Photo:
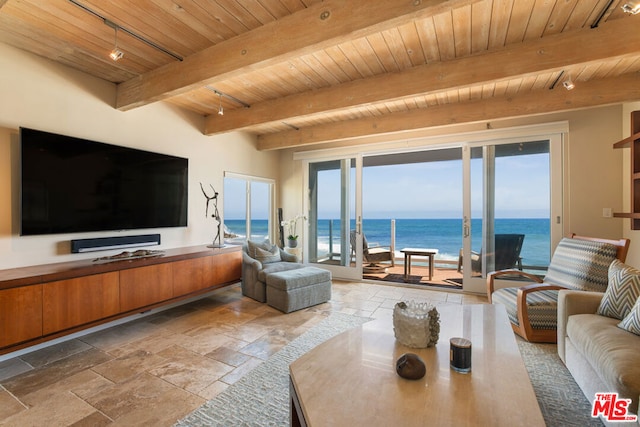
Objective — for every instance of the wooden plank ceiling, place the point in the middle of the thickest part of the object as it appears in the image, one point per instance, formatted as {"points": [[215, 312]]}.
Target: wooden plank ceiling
{"points": [[305, 72]]}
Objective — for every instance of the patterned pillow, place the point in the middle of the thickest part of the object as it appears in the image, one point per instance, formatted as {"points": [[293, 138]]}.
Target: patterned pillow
{"points": [[631, 323], [266, 257], [622, 292]]}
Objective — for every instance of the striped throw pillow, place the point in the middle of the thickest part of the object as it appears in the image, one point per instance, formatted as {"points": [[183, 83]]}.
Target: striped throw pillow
{"points": [[631, 322], [622, 292]]}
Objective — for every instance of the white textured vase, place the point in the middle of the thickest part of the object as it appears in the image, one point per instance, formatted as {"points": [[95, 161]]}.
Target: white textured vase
{"points": [[416, 325]]}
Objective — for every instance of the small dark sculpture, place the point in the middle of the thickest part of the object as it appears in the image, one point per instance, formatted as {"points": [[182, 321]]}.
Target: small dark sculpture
{"points": [[411, 366], [215, 215]]}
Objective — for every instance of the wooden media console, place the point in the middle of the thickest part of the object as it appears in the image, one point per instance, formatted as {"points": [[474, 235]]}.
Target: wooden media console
{"points": [[43, 302]]}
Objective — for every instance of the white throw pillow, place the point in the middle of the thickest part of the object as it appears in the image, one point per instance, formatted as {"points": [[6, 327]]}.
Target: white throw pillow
{"points": [[252, 246], [267, 257]]}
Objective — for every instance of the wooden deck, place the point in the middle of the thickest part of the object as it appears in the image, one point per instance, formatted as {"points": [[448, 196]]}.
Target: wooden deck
{"points": [[442, 276], [445, 273]]}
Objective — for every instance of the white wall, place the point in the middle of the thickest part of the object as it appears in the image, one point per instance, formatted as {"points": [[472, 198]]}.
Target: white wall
{"points": [[40, 94]]}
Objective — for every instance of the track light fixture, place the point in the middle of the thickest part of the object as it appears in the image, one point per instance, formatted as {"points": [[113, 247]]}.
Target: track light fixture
{"points": [[116, 53], [565, 78], [220, 109], [632, 8], [225, 95], [568, 83]]}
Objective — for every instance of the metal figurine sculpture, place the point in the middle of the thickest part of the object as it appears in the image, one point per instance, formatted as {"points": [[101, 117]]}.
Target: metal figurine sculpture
{"points": [[215, 215]]}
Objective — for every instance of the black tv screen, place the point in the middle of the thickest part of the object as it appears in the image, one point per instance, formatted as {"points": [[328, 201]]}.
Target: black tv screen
{"points": [[72, 185]]}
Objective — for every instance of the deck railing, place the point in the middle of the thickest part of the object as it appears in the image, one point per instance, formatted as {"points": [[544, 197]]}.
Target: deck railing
{"points": [[398, 257]]}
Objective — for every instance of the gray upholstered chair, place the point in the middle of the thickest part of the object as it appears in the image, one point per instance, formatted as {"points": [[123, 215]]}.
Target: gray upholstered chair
{"points": [[260, 259], [578, 263]]}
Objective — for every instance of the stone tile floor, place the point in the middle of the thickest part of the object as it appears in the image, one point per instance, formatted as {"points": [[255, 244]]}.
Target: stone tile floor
{"points": [[155, 370]]}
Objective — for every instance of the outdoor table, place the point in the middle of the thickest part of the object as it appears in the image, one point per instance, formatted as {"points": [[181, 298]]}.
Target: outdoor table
{"points": [[408, 252]]}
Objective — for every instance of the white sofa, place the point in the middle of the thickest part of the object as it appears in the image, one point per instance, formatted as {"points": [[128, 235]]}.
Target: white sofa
{"points": [[600, 356]]}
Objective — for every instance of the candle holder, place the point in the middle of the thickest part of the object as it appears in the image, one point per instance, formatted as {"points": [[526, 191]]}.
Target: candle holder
{"points": [[460, 355], [416, 325]]}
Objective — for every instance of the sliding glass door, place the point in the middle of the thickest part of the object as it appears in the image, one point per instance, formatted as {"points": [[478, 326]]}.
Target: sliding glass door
{"points": [[511, 220], [334, 216], [480, 205]]}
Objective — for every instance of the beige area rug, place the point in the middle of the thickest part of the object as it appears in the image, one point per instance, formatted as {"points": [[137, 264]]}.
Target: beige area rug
{"points": [[561, 401], [261, 398]]}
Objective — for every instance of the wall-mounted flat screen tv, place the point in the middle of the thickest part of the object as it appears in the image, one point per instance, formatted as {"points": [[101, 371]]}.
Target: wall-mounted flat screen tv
{"points": [[71, 185]]}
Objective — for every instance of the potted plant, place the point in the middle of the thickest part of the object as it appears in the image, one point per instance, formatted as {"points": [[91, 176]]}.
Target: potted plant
{"points": [[291, 228]]}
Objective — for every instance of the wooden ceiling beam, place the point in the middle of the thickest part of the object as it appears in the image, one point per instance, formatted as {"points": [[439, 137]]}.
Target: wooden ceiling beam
{"points": [[517, 60], [625, 88], [319, 26]]}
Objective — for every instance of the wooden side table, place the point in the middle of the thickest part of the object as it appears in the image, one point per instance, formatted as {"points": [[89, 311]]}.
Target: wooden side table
{"points": [[408, 252]]}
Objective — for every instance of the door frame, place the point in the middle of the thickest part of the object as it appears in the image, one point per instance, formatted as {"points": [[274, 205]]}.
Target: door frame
{"points": [[346, 272], [556, 132], [556, 183]]}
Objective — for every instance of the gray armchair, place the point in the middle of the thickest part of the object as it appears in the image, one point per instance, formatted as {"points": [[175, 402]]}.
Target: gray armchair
{"points": [[260, 259]]}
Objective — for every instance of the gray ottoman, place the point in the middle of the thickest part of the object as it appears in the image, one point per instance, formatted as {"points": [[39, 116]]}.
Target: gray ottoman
{"points": [[293, 290]]}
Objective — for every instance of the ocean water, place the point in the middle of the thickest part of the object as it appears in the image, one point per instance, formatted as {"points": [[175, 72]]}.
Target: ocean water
{"points": [[442, 234]]}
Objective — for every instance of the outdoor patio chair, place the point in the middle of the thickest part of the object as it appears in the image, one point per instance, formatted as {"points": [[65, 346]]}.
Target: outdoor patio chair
{"points": [[578, 263], [507, 254], [372, 255]]}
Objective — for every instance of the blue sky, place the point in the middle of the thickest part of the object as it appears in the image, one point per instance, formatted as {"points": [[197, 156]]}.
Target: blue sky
{"points": [[235, 200], [434, 190]]}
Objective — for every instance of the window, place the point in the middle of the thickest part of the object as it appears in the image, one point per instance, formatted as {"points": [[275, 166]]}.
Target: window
{"points": [[248, 207]]}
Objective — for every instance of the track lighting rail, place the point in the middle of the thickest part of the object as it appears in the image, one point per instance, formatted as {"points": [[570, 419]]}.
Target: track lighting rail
{"points": [[226, 95], [117, 27]]}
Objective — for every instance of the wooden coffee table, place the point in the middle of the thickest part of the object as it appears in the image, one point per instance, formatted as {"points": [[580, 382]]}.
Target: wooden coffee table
{"points": [[350, 380]]}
